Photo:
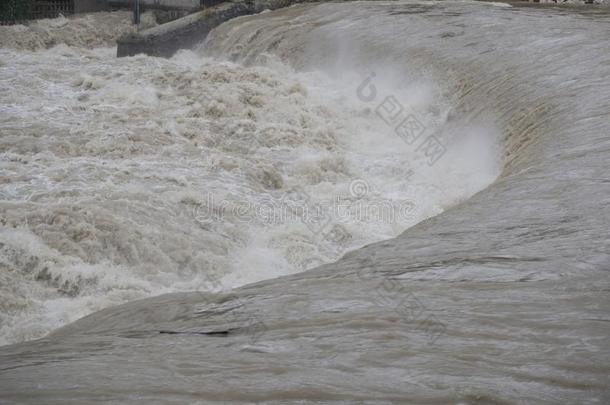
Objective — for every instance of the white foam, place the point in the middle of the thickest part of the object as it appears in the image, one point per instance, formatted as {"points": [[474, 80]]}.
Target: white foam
{"points": [[138, 176]]}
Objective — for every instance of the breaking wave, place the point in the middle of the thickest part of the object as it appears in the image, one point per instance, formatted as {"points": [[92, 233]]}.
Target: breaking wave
{"points": [[127, 178]]}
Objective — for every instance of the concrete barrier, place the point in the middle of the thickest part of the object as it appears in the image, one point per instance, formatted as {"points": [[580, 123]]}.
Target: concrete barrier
{"points": [[184, 33]]}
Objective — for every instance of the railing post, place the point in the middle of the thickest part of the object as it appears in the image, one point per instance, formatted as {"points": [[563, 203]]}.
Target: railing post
{"points": [[136, 12]]}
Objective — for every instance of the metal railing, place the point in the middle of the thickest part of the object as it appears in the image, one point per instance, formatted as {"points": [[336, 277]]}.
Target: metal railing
{"points": [[19, 11]]}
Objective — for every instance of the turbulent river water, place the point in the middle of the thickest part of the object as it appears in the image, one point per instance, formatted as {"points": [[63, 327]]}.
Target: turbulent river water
{"points": [[285, 141], [127, 178]]}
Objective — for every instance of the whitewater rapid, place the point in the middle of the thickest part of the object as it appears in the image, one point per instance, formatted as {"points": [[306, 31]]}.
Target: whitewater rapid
{"points": [[500, 296], [128, 178]]}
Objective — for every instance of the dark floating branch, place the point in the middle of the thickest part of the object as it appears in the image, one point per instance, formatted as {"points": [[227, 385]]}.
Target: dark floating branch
{"points": [[211, 333]]}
